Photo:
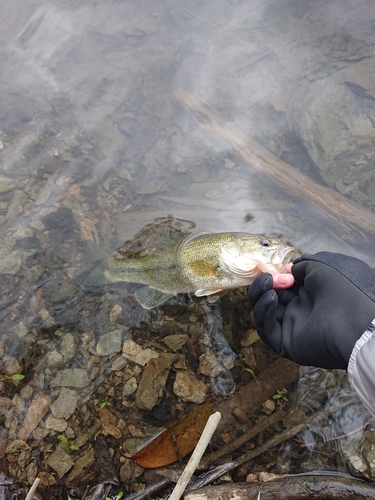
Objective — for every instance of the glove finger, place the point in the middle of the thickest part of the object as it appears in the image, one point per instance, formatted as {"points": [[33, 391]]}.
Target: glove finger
{"points": [[261, 284], [268, 327], [285, 296], [301, 268]]}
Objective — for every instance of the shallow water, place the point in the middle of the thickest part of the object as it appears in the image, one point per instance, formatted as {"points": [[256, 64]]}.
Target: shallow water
{"points": [[94, 145]]}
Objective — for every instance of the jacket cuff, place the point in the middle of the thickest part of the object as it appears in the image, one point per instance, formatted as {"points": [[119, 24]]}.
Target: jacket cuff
{"points": [[361, 367]]}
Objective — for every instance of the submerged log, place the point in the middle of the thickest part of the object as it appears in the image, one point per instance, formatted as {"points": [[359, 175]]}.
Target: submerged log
{"points": [[302, 487], [251, 396], [349, 219]]}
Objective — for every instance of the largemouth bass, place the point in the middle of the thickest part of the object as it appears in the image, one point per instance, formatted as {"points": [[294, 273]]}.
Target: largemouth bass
{"points": [[204, 265]]}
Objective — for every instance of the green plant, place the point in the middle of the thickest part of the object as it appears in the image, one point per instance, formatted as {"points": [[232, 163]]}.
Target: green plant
{"points": [[252, 373], [70, 444], [16, 376], [117, 497], [102, 405], [280, 395]]}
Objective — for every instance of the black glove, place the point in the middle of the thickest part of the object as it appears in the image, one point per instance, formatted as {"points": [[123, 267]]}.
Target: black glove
{"points": [[320, 318]]}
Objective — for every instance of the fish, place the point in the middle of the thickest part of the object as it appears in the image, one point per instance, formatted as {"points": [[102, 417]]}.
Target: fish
{"points": [[204, 265]]}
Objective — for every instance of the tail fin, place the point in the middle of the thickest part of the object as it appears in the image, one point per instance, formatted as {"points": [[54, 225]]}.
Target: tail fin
{"points": [[92, 275]]}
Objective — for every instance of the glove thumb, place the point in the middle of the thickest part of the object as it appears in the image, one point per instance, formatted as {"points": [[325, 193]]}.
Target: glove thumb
{"points": [[268, 327]]}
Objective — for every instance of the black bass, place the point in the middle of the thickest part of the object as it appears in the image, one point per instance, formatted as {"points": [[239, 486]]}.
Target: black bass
{"points": [[204, 265]]}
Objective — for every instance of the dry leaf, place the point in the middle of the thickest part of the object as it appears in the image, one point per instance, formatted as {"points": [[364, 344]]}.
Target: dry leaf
{"points": [[176, 441]]}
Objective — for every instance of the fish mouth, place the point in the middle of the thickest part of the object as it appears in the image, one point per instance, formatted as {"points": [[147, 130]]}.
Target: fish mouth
{"points": [[287, 255]]}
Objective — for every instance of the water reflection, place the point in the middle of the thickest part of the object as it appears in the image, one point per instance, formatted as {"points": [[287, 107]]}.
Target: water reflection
{"points": [[95, 146]]}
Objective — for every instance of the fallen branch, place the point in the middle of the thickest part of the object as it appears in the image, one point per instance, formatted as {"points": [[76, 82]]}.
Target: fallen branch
{"points": [[348, 217], [301, 487], [250, 397], [261, 426]]}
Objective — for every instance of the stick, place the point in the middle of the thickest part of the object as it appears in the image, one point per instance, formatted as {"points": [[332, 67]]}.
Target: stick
{"points": [[300, 487], [236, 443], [34, 486], [193, 463]]}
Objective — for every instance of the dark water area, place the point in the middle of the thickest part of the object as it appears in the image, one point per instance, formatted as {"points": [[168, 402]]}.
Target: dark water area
{"points": [[95, 143]]}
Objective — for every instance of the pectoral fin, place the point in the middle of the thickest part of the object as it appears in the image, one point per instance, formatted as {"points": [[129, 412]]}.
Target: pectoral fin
{"points": [[150, 297], [203, 269]]}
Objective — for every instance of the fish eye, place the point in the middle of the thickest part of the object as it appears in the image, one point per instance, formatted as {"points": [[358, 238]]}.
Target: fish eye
{"points": [[265, 243]]}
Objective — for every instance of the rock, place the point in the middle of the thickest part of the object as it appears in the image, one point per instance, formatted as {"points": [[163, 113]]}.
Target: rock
{"points": [[189, 388], [153, 382], [249, 338], [109, 422], [56, 424], [84, 462], [127, 471], [360, 455], [60, 461], [4, 404], [31, 472], [6, 184], [68, 348], [134, 352], [115, 314], [65, 404], [109, 343], [209, 365], [11, 365], [11, 263], [269, 406], [129, 387], [37, 409], [175, 342], [54, 358], [17, 446], [74, 377]]}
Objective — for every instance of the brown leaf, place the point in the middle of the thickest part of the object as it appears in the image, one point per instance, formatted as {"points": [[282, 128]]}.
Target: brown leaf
{"points": [[176, 441]]}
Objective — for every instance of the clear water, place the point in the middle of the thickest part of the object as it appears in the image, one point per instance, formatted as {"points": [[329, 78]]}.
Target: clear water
{"points": [[94, 146]]}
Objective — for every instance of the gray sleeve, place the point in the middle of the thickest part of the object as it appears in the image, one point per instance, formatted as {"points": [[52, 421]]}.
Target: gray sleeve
{"points": [[361, 367]]}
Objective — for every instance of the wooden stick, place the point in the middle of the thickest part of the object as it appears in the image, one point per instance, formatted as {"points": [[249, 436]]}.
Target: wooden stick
{"points": [[195, 458], [355, 222], [261, 426], [33, 488]]}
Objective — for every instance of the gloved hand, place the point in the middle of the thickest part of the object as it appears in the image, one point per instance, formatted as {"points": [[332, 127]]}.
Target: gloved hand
{"points": [[320, 318]]}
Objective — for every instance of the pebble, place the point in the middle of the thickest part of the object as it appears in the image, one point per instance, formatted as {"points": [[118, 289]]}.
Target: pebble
{"points": [[134, 352], [17, 446], [115, 314], [68, 348], [209, 365], [129, 387], [189, 388], [249, 337], [152, 383], [109, 343], [84, 462], [60, 461], [11, 263], [65, 404], [54, 358], [56, 424], [269, 406], [175, 342], [37, 409], [75, 377], [11, 365]]}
